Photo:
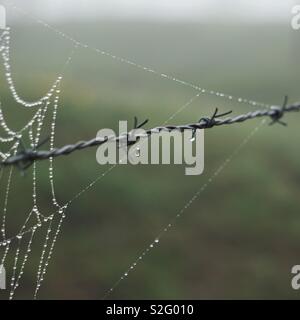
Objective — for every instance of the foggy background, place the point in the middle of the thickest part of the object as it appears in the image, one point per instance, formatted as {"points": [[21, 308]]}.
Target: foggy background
{"points": [[216, 11]]}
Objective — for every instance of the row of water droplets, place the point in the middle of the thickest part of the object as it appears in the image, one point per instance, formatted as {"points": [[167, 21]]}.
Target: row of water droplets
{"points": [[41, 219], [33, 128], [181, 212], [38, 117], [5, 50], [137, 65]]}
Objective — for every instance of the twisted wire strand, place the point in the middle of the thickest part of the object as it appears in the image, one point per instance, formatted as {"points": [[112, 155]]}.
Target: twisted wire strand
{"points": [[30, 155]]}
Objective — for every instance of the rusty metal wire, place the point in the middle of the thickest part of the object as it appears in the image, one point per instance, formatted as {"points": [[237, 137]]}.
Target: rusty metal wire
{"points": [[25, 158]]}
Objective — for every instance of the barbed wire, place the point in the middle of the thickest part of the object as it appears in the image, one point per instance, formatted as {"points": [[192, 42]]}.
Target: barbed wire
{"points": [[24, 158]]}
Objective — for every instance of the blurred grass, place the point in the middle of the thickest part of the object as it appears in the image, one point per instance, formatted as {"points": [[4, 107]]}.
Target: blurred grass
{"points": [[240, 238]]}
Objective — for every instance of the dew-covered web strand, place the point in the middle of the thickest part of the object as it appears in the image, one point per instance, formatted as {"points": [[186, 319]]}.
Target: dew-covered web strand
{"points": [[4, 214], [50, 243], [62, 215], [34, 139], [15, 279], [102, 175], [204, 91], [9, 77], [5, 50], [181, 212], [12, 135], [20, 259]]}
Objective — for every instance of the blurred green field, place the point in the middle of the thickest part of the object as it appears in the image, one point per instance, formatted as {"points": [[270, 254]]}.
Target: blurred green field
{"points": [[240, 238]]}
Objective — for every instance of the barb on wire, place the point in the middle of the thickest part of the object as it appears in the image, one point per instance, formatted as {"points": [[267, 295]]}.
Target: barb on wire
{"points": [[279, 113], [138, 126], [210, 122], [27, 156], [131, 139], [275, 113]]}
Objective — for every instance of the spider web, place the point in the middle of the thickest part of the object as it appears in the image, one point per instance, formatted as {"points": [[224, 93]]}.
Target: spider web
{"points": [[47, 105], [48, 226]]}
